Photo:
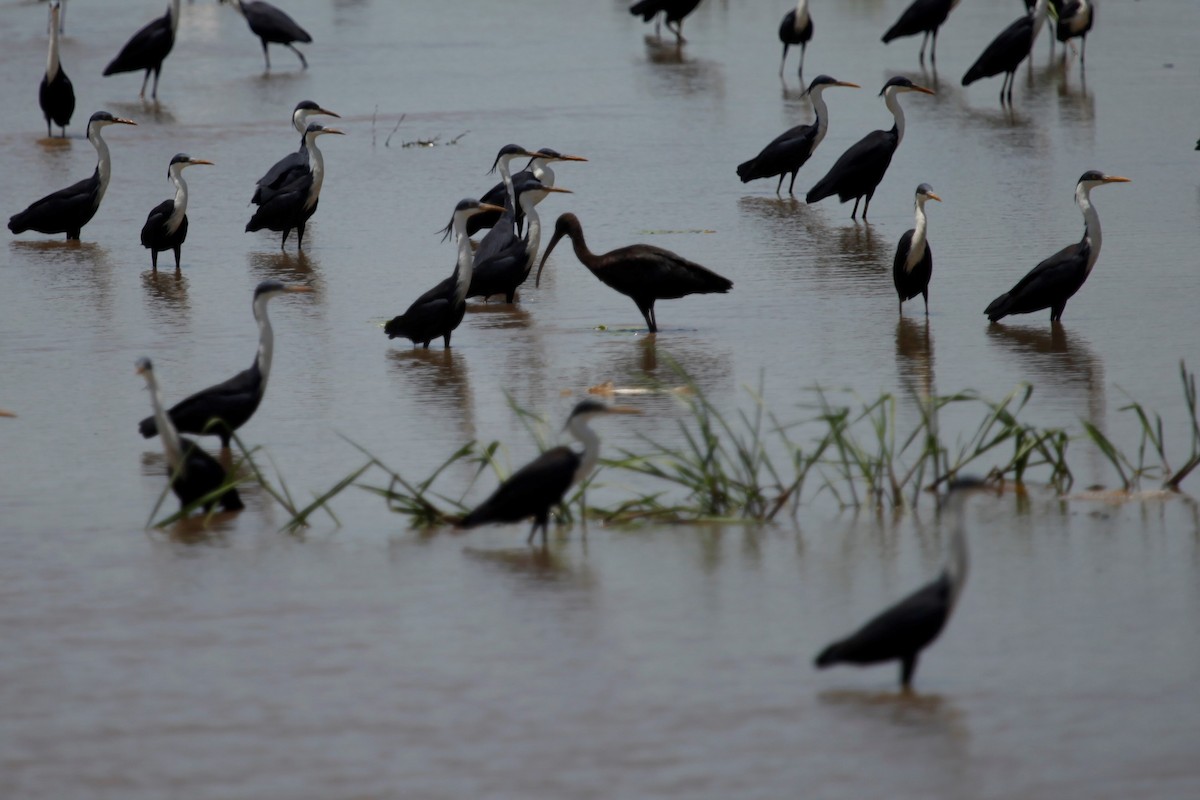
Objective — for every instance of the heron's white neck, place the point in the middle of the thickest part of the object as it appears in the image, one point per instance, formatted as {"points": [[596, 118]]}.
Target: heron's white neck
{"points": [[822, 112], [957, 563], [181, 197], [506, 176], [300, 119], [1091, 223], [173, 14], [103, 160], [801, 15], [52, 64], [541, 171], [591, 446], [534, 229], [317, 163], [916, 249], [893, 104], [266, 339], [172, 446], [466, 259], [1039, 19]]}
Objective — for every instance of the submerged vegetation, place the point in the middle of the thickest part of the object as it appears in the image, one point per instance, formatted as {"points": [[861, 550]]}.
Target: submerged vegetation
{"points": [[754, 467]]}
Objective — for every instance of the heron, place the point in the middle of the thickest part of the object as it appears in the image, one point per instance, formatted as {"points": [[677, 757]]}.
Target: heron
{"points": [[193, 473], [1075, 20], [901, 632], [673, 10], [61, 22], [913, 265], [272, 26], [56, 95], [860, 169], [542, 484], [503, 271], [147, 49], [292, 205], [642, 272], [1054, 281], [167, 225], [538, 166], [221, 409], [924, 17], [440, 310], [796, 28], [790, 150], [296, 164], [68, 210], [1008, 50]]}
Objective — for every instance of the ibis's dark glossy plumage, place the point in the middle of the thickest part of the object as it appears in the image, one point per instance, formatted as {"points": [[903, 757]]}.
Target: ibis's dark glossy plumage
{"points": [[292, 205], [860, 169], [542, 484], [901, 632], [167, 226], [294, 165], [673, 10], [796, 29], [440, 310], [642, 272], [193, 473], [790, 150], [1008, 50], [147, 49], [1053, 282], [503, 271], [272, 26], [222, 409], [913, 266], [68, 210], [56, 95], [924, 17]]}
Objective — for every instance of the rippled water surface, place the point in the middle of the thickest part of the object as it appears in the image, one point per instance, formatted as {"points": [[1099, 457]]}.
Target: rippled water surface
{"points": [[372, 661]]}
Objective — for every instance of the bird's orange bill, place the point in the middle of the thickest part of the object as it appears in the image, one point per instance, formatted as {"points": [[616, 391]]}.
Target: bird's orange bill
{"points": [[1116, 179], [922, 89], [124, 121], [557, 189], [568, 158], [297, 288], [847, 84], [343, 133], [623, 410], [933, 196], [491, 207], [201, 161], [327, 113], [4, 413]]}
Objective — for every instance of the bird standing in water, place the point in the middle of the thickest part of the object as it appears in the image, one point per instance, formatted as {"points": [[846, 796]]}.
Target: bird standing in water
{"points": [[272, 26], [1054, 281], [56, 95], [167, 226], [796, 28], [193, 473], [913, 265], [901, 632], [1008, 50], [540, 485], [642, 272], [292, 205], [673, 10], [148, 48], [294, 165], [925, 17], [68, 210]]}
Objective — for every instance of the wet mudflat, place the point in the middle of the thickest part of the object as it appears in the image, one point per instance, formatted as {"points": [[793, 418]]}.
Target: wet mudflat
{"points": [[370, 660]]}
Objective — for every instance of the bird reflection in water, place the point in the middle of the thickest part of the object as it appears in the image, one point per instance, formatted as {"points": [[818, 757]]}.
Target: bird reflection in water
{"points": [[539, 565], [288, 267], [146, 110], [499, 316], [438, 380], [166, 290], [914, 357], [1059, 361]]}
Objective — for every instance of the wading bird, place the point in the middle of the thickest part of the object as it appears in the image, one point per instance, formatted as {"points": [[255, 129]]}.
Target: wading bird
{"points": [[61, 22], [147, 49], [859, 170], [193, 473], [222, 409], [1008, 50], [925, 17], [68, 210], [293, 165], [1075, 20], [673, 10], [913, 265], [272, 26], [292, 205], [501, 195], [642, 272], [1052, 283], [440, 310], [796, 28], [538, 167], [167, 226], [503, 271], [56, 95], [790, 150], [901, 632], [542, 484]]}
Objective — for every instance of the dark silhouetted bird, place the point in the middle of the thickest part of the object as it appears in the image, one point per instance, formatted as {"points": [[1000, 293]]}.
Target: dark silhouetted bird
{"points": [[147, 49], [913, 265], [56, 95]]}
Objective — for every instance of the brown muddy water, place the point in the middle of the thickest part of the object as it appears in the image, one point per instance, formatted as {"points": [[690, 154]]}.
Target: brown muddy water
{"points": [[372, 661]]}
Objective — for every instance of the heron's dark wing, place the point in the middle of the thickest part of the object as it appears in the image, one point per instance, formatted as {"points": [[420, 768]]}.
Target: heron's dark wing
{"points": [[51, 210], [145, 49], [786, 152], [859, 169], [233, 401], [537, 486], [272, 24], [280, 210], [285, 171], [201, 475], [1007, 50], [905, 628], [497, 273], [921, 16], [156, 222]]}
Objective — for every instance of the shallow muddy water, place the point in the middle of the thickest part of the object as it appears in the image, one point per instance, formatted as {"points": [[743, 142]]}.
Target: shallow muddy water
{"points": [[369, 660]]}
